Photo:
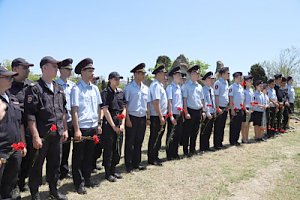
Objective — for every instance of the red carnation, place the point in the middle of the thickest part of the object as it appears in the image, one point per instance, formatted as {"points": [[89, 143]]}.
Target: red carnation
{"points": [[209, 105], [120, 116], [53, 128], [242, 106], [243, 83], [235, 109], [21, 146], [168, 115], [15, 147], [96, 139]]}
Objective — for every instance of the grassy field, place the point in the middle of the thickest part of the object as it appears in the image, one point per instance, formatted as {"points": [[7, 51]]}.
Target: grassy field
{"points": [[267, 170]]}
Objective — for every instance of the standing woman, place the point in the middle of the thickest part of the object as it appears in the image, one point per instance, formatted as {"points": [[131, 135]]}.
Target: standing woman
{"points": [[113, 106], [248, 92]]}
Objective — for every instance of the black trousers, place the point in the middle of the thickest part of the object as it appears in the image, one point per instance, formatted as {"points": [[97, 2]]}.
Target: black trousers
{"points": [[235, 126], [279, 117], [206, 129], [82, 158], [191, 130], [112, 144], [272, 117], [9, 175], [51, 150], [64, 166], [156, 133], [173, 136], [285, 115], [219, 126], [134, 138], [97, 153]]}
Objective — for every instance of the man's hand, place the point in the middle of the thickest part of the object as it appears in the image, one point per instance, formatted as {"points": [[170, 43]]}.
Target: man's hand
{"points": [[65, 136], [173, 120], [128, 122], [162, 120], [77, 135], [122, 128], [99, 129], [24, 152], [37, 142], [187, 116]]}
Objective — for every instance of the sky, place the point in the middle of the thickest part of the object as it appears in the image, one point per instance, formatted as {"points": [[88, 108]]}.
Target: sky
{"points": [[118, 35]]}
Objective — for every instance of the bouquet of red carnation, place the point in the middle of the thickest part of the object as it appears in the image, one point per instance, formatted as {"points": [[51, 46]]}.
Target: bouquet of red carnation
{"points": [[120, 116], [20, 146]]}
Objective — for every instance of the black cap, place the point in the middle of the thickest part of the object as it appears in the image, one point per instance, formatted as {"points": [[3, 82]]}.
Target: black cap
{"points": [[194, 68], [86, 63], [20, 61], [283, 79], [236, 74], [6, 72], [258, 82], [277, 76], [114, 75], [223, 70], [271, 80], [66, 64], [289, 78], [49, 59], [248, 77], [208, 75], [159, 68], [174, 71], [139, 68]]}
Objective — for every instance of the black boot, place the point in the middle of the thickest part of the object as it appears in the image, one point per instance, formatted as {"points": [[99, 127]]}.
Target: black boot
{"points": [[109, 176], [114, 173], [54, 194]]}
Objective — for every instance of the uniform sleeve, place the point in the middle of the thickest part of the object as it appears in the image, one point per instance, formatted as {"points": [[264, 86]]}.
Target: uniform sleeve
{"points": [[31, 103], [105, 100], [231, 91], [155, 92], [169, 92], [217, 88], [201, 94], [184, 92], [75, 96], [99, 99]]}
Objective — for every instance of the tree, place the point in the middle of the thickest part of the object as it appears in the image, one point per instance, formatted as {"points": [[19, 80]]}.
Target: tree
{"points": [[164, 60], [203, 66], [7, 64], [258, 73]]}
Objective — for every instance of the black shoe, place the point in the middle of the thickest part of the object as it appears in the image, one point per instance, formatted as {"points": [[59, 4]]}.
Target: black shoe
{"points": [[57, 196], [35, 196], [129, 169], [217, 148], [81, 190], [156, 163], [140, 167], [111, 178], [91, 184], [65, 176], [117, 175]]}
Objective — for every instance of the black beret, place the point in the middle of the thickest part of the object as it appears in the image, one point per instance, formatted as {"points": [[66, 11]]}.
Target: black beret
{"points": [[289, 78], [139, 68], [159, 68], [208, 75], [66, 64], [114, 75], [82, 64], [277, 76], [271, 80], [49, 59], [236, 74], [283, 79], [223, 70], [258, 82], [248, 77], [21, 61], [174, 71], [194, 68]]}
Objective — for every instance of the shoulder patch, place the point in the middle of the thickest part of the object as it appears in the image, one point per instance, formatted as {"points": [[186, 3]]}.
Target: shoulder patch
{"points": [[216, 86], [29, 98], [230, 89]]}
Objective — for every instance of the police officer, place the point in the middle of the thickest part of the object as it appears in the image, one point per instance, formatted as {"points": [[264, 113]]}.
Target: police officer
{"points": [[210, 106], [136, 95], [45, 107], [283, 100], [9, 133], [222, 100], [274, 106], [193, 101], [157, 99], [114, 107], [86, 113], [65, 69], [18, 88], [175, 121], [237, 105], [291, 97]]}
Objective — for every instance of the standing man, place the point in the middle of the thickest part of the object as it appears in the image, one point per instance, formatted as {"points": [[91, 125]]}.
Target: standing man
{"points": [[65, 69], [222, 100], [158, 109], [193, 102], [18, 88], [10, 133], [175, 120], [237, 105], [87, 122], [291, 97], [136, 95], [44, 108]]}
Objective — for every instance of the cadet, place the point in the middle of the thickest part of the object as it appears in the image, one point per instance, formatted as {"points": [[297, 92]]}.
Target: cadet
{"points": [[193, 102], [10, 133], [283, 100], [222, 100], [291, 97], [236, 102], [248, 93], [210, 106], [136, 94], [18, 88], [114, 110], [45, 106], [86, 113], [65, 70], [175, 108], [274, 106], [158, 109]]}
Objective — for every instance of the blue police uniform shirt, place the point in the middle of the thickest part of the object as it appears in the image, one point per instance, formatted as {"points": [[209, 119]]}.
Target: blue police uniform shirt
{"points": [[266, 99], [174, 93], [259, 98], [88, 100], [236, 91], [193, 93], [67, 86], [272, 96], [136, 97], [291, 93], [249, 94], [221, 90], [157, 92], [209, 100]]}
